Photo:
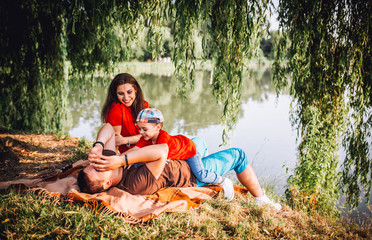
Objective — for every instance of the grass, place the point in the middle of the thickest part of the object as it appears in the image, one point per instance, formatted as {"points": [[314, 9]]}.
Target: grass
{"points": [[27, 215], [81, 151], [34, 215]]}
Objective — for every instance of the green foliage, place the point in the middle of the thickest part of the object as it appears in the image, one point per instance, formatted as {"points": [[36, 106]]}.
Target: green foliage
{"points": [[326, 50], [32, 86], [81, 151], [39, 37], [231, 33], [267, 44]]}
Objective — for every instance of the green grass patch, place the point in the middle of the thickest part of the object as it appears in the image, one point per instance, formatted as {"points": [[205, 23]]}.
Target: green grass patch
{"points": [[30, 215], [81, 151]]}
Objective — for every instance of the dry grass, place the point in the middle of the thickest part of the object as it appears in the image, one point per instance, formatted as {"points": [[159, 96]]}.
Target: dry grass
{"points": [[26, 155]]}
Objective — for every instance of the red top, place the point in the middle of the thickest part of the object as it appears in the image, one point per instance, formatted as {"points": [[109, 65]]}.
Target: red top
{"points": [[180, 147], [120, 115]]}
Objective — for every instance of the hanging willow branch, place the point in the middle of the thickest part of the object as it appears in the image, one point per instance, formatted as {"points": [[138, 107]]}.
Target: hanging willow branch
{"points": [[326, 48], [91, 35], [231, 31], [32, 59]]}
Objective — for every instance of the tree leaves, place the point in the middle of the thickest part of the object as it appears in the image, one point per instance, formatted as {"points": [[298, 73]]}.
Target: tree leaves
{"points": [[325, 46]]}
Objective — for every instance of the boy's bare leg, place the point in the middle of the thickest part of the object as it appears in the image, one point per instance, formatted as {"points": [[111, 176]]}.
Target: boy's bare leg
{"points": [[249, 180]]}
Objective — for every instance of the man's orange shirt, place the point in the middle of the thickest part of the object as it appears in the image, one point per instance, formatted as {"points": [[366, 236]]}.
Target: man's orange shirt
{"points": [[180, 147]]}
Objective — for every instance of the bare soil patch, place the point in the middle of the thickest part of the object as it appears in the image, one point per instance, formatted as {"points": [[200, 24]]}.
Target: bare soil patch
{"points": [[26, 155]]}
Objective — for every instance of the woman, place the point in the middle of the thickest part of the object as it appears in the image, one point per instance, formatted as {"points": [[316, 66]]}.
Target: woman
{"points": [[124, 101]]}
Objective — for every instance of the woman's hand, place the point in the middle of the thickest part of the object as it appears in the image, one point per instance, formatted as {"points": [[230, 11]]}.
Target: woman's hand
{"points": [[95, 152], [106, 163]]}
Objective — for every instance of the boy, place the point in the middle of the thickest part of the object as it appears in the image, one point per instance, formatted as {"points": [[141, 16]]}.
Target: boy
{"points": [[150, 121]]}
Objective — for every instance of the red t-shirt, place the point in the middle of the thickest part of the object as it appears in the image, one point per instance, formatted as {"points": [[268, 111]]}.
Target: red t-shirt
{"points": [[120, 115], [180, 147]]}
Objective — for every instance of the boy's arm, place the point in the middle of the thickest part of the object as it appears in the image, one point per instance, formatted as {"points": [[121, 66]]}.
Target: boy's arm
{"points": [[120, 140], [146, 154]]}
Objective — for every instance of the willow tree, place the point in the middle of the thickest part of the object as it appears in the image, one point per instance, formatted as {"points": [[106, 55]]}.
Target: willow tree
{"points": [[38, 37], [32, 58], [326, 51]]}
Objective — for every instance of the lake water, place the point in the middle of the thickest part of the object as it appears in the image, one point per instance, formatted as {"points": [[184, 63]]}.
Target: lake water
{"points": [[263, 130]]}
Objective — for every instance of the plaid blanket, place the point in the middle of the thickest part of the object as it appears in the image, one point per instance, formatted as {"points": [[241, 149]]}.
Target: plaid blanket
{"points": [[131, 208]]}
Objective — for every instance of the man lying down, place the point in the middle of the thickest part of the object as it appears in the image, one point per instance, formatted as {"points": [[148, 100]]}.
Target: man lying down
{"points": [[144, 171]]}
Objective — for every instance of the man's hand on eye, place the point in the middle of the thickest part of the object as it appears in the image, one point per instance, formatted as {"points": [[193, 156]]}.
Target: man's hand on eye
{"points": [[106, 163]]}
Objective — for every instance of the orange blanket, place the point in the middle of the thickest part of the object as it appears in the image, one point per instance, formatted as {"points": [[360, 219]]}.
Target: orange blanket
{"points": [[131, 208]]}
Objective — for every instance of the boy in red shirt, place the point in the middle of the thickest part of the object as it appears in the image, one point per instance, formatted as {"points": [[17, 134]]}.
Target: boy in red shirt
{"points": [[150, 121]]}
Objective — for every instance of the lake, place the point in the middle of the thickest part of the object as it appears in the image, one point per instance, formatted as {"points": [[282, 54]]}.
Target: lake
{"points": [[263, 130]]}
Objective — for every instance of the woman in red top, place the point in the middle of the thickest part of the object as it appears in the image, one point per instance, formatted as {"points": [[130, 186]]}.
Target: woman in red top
{"points": [[124, 101]]}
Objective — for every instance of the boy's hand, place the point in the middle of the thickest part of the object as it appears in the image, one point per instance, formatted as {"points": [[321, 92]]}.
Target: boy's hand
{"points": [[119, 140], [106, 163]]}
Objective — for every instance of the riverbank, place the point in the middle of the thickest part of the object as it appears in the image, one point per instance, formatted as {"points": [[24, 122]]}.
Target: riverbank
{"points": [[165, 68], [26, 215]]}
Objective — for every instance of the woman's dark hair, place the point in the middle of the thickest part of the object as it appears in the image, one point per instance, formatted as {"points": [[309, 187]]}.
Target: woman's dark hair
{"points": [[120, 79]]}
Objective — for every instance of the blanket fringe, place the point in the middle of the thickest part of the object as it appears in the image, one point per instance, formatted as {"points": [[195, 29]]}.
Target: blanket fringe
{"points": [[101, 207]]}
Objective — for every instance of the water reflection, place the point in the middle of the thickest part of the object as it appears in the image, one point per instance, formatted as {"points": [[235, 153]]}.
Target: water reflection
{"points": [[86, 99], [199, 110], [263, 129], [257, 84]]}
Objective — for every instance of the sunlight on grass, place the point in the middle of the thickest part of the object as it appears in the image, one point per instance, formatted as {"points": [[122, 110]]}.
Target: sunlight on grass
{"points": [[33, 215]]}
